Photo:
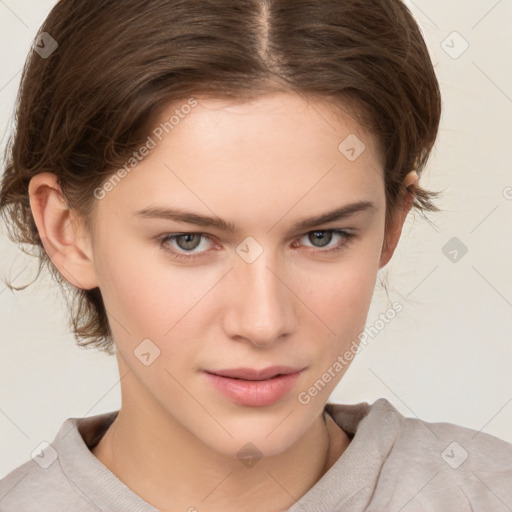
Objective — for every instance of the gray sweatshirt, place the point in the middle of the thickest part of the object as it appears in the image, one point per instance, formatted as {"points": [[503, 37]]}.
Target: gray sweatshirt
{"points": [[393, 464]]}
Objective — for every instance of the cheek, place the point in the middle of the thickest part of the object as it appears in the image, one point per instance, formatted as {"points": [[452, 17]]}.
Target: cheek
{"points": [[148, 297], [341, 296], [142, 293]]}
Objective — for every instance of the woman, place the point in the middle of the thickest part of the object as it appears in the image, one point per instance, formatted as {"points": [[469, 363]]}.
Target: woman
{"points": [[218, 184]]}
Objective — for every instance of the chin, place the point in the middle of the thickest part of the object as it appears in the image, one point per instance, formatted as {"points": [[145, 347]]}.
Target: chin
{"points": [[267, 433]]}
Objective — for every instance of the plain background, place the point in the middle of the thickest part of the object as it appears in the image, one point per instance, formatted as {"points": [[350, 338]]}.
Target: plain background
{"points": [[446, 357]]}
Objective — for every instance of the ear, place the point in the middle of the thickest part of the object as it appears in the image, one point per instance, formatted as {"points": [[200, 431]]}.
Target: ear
{"points": [[404, 204], [61, 231]]}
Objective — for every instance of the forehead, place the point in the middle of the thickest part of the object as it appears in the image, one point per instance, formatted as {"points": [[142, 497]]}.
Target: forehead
{"points": [[271, 154], [273, 119]]}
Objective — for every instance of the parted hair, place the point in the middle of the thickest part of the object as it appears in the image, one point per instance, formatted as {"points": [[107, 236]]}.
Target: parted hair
{"points": [[82, 111]]}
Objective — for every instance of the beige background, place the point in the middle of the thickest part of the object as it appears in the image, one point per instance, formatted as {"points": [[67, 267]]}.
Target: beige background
{"points": [[447, 356]]}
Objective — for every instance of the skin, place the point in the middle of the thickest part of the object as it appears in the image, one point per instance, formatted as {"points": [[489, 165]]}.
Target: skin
{"points": [[263, 166]]}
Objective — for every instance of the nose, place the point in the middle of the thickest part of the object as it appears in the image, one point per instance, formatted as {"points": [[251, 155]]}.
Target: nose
{"points": [[261, 305]]}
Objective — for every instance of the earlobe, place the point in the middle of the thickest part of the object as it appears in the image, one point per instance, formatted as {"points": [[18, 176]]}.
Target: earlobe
{"points": [[61, 234], [404, 202]]}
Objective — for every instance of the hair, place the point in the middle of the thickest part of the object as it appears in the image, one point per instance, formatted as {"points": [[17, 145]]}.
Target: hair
{"points": [[82, 111]]}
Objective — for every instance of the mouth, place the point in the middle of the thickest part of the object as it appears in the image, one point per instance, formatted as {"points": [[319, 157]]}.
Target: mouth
{"points": [[255, 375], [254, 388]]}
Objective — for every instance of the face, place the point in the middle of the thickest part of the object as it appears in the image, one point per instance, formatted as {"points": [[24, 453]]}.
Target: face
{"points": [[264, 290]]}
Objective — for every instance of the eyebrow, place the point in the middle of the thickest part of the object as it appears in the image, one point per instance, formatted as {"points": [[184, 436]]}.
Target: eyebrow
{"points": [[179, 215]]}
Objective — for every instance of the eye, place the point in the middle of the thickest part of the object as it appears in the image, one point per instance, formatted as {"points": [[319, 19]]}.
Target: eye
{"points": [[185, 242], [184, 245], [322, 238]]}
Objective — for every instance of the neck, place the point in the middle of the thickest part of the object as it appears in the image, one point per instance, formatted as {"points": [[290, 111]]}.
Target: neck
{"points": [[170, 468]]}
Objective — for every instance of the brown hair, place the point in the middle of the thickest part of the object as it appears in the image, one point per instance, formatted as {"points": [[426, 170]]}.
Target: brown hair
{"points": [[84, 109]]}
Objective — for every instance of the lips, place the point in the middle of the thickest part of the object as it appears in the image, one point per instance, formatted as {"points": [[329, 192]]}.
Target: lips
{"points": [[251, 374], [254, 388]]}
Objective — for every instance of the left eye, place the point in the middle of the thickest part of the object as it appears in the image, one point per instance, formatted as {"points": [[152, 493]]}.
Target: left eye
{"points": [[186, 243], [322, 237]]}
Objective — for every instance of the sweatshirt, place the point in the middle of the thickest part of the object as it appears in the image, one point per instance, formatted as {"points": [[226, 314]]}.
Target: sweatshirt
{"points": [[392, 464]]}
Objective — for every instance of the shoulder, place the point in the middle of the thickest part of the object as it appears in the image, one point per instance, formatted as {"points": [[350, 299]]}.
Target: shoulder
{"points": [[30, 486], [446, 465], [394, 462], [61, 475]]}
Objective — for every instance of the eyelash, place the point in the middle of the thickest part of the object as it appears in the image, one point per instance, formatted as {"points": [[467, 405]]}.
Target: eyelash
{"points": [[347, 236]]}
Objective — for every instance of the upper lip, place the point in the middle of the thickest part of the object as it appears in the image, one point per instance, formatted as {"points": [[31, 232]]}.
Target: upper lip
{"points": [[252, 374]]}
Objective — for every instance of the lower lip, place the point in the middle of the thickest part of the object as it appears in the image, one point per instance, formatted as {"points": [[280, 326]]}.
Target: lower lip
{"points": [[254, 393]]}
